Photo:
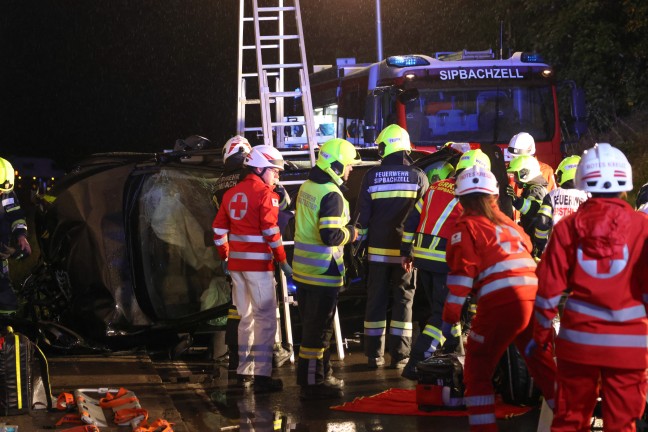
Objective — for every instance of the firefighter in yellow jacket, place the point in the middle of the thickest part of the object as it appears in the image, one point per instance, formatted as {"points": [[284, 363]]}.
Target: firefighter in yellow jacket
{"points": [[321, 230]]}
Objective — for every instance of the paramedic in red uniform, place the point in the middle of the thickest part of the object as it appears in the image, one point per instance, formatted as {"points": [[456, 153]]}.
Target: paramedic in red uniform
{"points": [[247, 237], [598, 255], [489, 257], [425, 237]]}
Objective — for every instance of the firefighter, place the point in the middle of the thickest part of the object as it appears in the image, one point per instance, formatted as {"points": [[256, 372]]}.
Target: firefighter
{"points": [[558, 203], [321, 230], [235, 151], [598, 256], [387, 194], [527, 176], [489, 257], [14, 229], [247, 237], [425, 237], [524, 144]]}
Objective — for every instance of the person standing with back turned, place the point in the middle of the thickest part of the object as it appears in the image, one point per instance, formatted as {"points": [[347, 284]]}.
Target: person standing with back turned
{"points": [[246, 234], [489, 257], [598, 256], [387, 195], [321, 230]]}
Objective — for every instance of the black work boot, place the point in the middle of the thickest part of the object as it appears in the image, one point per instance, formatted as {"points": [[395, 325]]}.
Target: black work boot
{"points": [[266, 384], [320, 391], [233, 357]]}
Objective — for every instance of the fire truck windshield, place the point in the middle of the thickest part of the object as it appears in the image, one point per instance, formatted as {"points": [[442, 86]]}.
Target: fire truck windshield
{"points": [[483, 114]]}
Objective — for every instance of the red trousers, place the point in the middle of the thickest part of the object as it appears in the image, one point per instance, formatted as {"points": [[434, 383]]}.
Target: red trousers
{"points": [[493, 330], [623, 397]]}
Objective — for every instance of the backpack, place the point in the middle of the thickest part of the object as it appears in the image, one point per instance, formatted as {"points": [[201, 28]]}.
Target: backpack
{"points": [[21, 387], [513, 381], [440, 382]]}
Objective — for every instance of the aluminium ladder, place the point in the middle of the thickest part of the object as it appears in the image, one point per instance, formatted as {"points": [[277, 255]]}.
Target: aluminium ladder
{"points": [[270, 47]]}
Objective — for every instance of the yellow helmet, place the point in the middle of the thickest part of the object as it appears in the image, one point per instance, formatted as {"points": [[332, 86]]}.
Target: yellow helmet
{"points": [[567, 169], [472, 158], [526, 167], [7, 176], [334, 155], [439, 170], [392, 139]]}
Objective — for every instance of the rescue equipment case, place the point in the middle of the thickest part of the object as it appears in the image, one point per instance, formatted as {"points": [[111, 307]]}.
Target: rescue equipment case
{"points": [[440, 382], [20, 376]]}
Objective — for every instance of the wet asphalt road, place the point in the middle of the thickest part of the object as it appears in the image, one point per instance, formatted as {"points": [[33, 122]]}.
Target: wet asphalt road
{"points": [[200, 393]]}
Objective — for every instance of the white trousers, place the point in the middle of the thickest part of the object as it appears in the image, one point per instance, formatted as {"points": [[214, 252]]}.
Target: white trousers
{"points": [[255, 299]]}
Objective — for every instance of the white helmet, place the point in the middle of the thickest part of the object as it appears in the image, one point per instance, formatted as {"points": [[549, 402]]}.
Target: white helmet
{"points": [[520, 144], [476, 179], [604, 168], [235, 145], [264, 156]]}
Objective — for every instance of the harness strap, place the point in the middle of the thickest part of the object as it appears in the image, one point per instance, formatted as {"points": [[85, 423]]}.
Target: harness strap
{"points": [[65, 402], [127, 415], [159, 425], [122, 397], [69, 418]]}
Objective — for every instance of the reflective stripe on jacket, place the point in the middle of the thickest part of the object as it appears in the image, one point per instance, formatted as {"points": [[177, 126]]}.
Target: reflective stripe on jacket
{"points": [[430, 224], [321, 231], [387, 195], [490, 261], [598, 255], [245, 227]]}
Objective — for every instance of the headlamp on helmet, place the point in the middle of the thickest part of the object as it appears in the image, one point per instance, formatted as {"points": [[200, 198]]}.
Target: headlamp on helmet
{"points": [[526, 167]]}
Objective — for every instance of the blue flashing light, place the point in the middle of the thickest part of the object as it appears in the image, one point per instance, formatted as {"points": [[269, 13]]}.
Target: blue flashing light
{"points": [[406, 60], [532, 58]]}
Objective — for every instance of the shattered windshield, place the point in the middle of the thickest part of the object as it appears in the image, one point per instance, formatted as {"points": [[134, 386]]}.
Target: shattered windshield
{"points": [[180, 263], [480, 115]]}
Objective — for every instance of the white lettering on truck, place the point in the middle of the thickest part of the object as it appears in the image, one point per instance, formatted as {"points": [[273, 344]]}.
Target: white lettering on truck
{"points": [[482, 73]]}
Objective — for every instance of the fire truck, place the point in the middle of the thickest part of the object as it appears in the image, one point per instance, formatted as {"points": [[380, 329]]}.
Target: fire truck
{"points": [[467, 96]]}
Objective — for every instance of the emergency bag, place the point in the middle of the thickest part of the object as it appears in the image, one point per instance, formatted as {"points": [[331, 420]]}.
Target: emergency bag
{"points": [[440, 382], [513, 381], [24, 375]]}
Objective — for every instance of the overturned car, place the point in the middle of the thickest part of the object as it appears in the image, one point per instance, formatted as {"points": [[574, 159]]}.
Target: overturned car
{"points": [[127, 256]]}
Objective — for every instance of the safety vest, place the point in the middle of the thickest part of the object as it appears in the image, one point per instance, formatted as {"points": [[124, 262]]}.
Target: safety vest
{"points": [[439, 210], [311, 257]]}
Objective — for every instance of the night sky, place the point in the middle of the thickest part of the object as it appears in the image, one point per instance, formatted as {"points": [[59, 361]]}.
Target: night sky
{"points": [[87, 76]]}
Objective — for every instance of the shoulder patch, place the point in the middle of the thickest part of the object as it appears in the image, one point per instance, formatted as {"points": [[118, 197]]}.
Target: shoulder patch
{"points": [[275, 202], [456, 238]]}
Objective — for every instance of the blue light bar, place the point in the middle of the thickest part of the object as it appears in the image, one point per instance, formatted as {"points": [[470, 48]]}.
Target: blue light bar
{"points": [[532, 58], [406, 60]]}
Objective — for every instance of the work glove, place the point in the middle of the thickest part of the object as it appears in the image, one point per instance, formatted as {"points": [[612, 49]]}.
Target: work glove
{"points": [[517, 201], [510, 191], [224, 267], [285, 267]]}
